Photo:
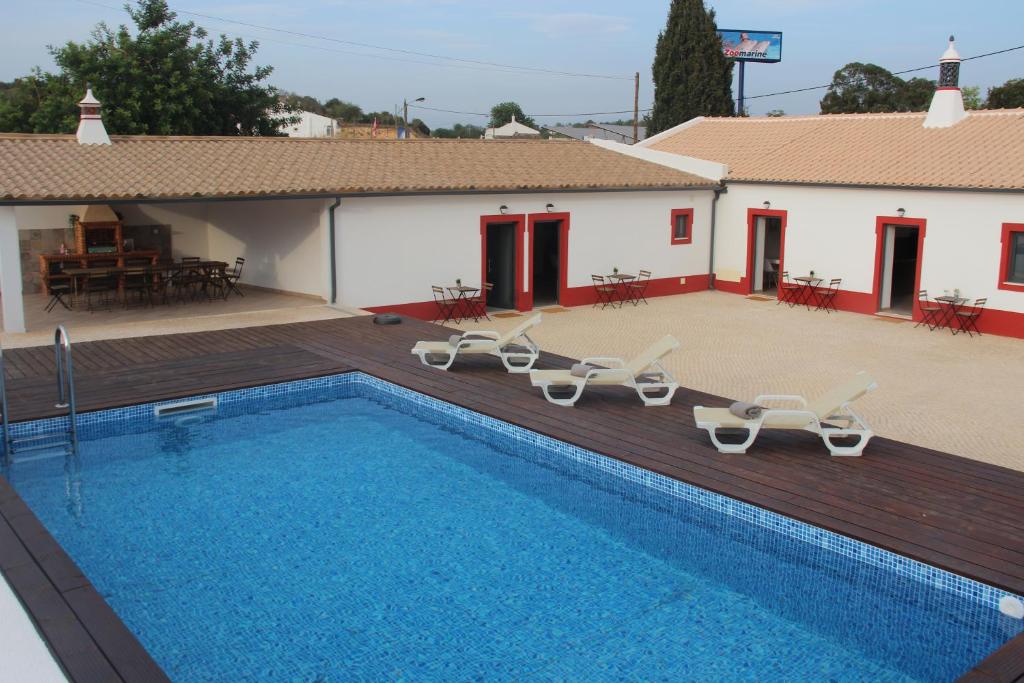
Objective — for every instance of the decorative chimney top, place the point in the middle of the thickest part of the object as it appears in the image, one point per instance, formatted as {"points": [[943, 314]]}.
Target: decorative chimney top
{"points": [[90, 124], [947, 108]]}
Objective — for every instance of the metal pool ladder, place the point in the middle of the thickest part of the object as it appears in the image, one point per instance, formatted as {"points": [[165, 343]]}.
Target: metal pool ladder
{"points": [[65, 399]]}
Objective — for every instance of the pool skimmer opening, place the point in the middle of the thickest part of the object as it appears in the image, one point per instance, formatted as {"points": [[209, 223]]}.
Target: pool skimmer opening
{"points": [[182, 408]]}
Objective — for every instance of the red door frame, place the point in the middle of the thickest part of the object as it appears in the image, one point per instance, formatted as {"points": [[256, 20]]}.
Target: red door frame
{"points": [[519, 221], [876, 286], [563, 253], [752, 215]]}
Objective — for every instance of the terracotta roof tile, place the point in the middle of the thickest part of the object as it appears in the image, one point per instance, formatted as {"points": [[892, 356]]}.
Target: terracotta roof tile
{"points": [[56, 167], [984, 151]]}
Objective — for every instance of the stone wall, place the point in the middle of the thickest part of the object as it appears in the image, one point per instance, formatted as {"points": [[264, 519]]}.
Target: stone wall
{"points": [[33, 243]]}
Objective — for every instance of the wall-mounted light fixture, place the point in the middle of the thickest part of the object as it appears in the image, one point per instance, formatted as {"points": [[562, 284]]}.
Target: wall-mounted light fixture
{"points": [[503, 209], [550, 207], [767, 205], [901, 212]]}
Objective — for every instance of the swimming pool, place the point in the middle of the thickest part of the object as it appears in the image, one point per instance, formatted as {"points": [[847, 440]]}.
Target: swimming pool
{"points": [[345, 528]]}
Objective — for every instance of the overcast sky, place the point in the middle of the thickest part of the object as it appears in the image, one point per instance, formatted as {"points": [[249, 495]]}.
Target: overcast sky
{"points": [[599, 37]]}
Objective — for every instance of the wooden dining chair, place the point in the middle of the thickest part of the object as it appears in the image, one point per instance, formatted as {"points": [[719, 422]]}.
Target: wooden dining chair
{"points": [[967, 317], [605, 292], [931, 312]]}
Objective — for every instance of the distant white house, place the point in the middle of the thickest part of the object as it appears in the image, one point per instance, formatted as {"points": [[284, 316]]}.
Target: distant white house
{"points": [[512, 129], [311, 125], [603, 131]]}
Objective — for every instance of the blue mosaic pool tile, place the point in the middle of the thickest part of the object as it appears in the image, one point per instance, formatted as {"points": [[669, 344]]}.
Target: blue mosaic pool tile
{"points": [[508, 437]]}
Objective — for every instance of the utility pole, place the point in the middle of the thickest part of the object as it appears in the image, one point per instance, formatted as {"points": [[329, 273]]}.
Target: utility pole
{"points": [[636, 108], [405, 117]]}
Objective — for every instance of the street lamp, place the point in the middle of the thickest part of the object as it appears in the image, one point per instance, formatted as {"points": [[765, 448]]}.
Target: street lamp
{"points": [[405, 113]]}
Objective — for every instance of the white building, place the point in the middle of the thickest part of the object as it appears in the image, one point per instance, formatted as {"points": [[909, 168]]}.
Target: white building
{"points": [[311, 125], [890, 203], [373, 224], [512, 129]]}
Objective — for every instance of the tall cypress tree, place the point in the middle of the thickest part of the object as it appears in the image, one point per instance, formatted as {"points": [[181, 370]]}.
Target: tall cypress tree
{"points": [[691, 75]]}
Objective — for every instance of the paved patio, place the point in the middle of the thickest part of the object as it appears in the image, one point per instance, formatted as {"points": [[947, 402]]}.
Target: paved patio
{"points": [[257, 307], [954, 394]]}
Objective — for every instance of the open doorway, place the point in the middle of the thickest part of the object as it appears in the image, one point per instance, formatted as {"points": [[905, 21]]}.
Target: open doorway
{"points": [[545, 274], [898, 269], [765, 254], [500, 266]]}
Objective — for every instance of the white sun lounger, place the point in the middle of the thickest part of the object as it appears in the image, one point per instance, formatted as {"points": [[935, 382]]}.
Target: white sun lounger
{"points": [[832, 407], [515, 348], [645, 374]]}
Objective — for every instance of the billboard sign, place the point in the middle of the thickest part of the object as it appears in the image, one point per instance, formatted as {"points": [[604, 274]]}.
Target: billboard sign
{"points": [[752, 46]]}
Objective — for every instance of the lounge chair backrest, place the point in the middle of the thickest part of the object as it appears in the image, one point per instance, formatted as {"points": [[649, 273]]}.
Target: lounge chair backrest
{"points": [[652, 353], [830, 402], [519, 329]]}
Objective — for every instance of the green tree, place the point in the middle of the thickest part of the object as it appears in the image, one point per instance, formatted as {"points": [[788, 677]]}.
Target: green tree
{"points": [[917, 94], [342, 110], [691, 75], [776, 113], [459, 130], [860, 88], [503, 112], [166, 79], [1009, 95], [972, 97]]}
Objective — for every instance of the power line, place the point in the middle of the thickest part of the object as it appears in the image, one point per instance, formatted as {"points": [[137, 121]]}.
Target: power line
{"points": [[313, 36], [894, 73], [477, 113]]}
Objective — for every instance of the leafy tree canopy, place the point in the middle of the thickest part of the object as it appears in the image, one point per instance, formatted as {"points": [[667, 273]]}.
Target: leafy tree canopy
{"points": [[692, 77], [165, 78], [860, 88], [972, 97], [459, 130], [776, 113], [1009, 95], [503, 112]]}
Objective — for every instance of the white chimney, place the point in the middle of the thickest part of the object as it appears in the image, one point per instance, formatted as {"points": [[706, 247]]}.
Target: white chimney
{"points": [[947, 107], [90, 124]]}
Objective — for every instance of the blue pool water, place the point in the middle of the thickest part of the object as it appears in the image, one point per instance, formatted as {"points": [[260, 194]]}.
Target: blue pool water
{"points": [[319, 537]]}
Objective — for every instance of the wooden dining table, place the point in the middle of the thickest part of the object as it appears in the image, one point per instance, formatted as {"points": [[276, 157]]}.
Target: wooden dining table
{"points": [[208, 269]]}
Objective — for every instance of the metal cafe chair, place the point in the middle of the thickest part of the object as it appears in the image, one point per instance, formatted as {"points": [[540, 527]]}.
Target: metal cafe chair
{"points": [[102, 283], [229, 280], [59, 290], [826, 296], [637, 289], [931, 312], [605, 291], [476, 306], [967, 317], [447, 307], [789, 291]]}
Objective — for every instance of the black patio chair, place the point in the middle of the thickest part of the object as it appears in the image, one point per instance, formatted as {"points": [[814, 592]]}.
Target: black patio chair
{"points": [[476, 306], [638, 288], [229, 280], [605, 292], [447, 307], [967, 317], [789, 291], [826, 296], [59, 290], [931, 312]]}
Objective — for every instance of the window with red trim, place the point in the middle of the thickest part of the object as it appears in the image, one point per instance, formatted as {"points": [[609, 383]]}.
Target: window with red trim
{"points": [[682, 226], [1011, 266]]}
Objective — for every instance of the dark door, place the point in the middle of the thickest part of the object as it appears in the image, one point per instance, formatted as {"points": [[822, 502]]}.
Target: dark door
{"points": [[501, 264], [545, 274]]}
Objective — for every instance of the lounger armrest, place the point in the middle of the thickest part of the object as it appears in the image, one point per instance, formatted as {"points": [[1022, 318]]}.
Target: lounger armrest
{"points": [[607, 361], [787, 412], [781, 397], [482, 334]]}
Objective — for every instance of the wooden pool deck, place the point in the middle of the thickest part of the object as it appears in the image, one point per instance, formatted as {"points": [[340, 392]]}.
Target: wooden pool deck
{"points": [[950, 512]]}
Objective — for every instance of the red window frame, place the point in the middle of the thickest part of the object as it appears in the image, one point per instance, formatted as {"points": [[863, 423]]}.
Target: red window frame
{"points": [[689, 226], [1004, 258]]}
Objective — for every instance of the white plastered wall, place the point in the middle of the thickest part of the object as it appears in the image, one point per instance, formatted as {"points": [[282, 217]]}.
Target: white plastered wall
{"points": [[283, 242], [832, 231], [390, 250]]}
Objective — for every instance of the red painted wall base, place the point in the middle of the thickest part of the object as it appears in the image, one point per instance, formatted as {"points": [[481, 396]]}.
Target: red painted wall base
{"points": [[573, 296]]}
